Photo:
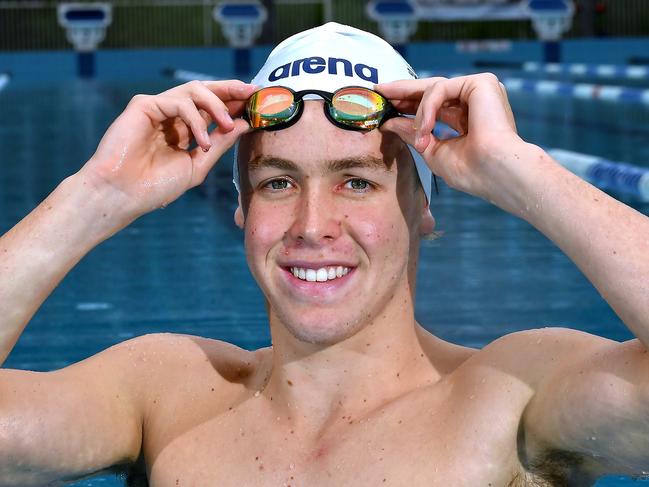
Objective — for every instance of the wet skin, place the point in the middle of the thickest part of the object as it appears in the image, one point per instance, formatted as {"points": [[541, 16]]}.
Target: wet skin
{"points": [[353, 391]]}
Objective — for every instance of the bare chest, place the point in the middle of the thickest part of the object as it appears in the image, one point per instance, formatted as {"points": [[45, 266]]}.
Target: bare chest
{"points": [[423, 440]]}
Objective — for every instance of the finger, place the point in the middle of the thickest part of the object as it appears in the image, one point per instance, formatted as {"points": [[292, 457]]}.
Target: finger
{"points": [[184, 108], [210, 103], [233, 93], [221, 142], [231, 89], [235, 107], [510, 113], [403, 127], [427, 112], [409, 89], [225, 89], [483, 93], [456, 116]]}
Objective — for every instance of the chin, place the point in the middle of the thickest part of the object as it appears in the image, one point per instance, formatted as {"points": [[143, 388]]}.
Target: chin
{"points": [[321, 330]]}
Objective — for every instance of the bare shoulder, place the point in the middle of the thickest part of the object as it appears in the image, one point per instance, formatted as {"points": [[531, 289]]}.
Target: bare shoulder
{"points": [[167, 356], [533, 354]]}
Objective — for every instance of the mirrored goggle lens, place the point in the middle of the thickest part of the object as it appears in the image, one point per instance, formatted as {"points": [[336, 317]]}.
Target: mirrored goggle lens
{"points": [[358, 107], [270, 106]]}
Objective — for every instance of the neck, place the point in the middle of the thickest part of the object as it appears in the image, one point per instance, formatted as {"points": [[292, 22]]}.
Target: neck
{"points": [[314, 386]]}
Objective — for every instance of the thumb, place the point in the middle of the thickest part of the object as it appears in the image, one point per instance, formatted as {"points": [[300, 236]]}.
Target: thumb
{"points": [[221, 142], [403, 127]]}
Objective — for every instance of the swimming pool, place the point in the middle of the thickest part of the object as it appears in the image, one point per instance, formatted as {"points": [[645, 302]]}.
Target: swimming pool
{"points": [[173, 270]]}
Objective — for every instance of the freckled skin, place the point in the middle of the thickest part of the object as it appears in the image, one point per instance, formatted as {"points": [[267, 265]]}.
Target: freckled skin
{"points": [[354, 230], [321, 407]]}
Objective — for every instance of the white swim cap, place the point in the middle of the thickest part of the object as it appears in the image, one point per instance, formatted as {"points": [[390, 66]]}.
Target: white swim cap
{"points": [[330, 57]]}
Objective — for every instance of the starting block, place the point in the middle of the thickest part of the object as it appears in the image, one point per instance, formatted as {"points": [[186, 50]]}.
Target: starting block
{"points": [[397, 19], [85, 26], [241, 23]]}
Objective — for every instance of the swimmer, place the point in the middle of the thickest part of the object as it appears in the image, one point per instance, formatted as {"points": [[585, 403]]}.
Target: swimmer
{"points": [[353, 390]]}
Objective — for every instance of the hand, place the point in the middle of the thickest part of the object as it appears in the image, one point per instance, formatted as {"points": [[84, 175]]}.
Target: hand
{"points": [[475, 106], [143, 161]]}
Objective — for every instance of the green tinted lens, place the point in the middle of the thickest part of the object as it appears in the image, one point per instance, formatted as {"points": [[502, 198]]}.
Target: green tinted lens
{"points": [[358, 107]]}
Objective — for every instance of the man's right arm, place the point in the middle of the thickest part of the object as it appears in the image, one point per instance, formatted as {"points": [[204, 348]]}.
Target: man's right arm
{"points": [[82, 419], [142, 163], [71, 423], [40, 250]]}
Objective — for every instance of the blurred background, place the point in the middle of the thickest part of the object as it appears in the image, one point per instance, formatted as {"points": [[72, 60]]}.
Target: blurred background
{"points": [[577, 74]]}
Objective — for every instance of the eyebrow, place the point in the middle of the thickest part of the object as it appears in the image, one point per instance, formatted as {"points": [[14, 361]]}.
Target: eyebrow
{"points": [[331, 166]]}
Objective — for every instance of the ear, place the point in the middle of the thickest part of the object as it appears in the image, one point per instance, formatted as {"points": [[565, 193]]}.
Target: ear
{"points": [[427, 222], [239, 219]]}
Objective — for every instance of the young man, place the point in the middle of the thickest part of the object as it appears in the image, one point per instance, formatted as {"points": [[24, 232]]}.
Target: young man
{"points": [[353, 391]]}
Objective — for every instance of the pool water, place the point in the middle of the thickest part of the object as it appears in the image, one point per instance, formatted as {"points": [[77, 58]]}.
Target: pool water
{"points": [[182, 269]]}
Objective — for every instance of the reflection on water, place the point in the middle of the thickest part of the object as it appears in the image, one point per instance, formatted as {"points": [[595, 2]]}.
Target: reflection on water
{"points": [[182, 269]]}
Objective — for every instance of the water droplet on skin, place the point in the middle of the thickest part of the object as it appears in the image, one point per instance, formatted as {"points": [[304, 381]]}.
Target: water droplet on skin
{"points": [[257, 393]]}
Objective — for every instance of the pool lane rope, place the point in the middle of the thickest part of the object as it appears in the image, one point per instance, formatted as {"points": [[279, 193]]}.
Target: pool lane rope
{"points": [[185, 75], [591, 70], [606, 174], [5, 78], [588, 91], [616, 176]]}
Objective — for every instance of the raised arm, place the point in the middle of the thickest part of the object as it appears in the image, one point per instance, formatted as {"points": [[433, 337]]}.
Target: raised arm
{"points": [[140, 165], [69, 423], [595, 399]]}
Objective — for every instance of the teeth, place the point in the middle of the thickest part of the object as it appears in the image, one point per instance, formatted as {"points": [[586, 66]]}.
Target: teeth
{"points": [[319, 275]]}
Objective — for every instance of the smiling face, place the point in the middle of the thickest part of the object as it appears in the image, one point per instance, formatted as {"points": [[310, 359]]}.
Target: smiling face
{"points": [[332, 223]]}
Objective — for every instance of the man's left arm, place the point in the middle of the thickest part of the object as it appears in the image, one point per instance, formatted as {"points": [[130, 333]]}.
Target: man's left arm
{"points": [[591, 407], [594, 400]]}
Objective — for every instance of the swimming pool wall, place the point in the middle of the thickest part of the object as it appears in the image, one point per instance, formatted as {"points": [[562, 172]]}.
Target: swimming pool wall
{"points": [[147, 64]]}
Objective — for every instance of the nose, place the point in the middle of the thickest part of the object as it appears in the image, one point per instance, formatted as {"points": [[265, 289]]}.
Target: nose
{"points": [[315, 220]]}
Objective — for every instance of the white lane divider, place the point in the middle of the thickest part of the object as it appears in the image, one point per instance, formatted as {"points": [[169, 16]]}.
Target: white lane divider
{"points": [[5, 78]]}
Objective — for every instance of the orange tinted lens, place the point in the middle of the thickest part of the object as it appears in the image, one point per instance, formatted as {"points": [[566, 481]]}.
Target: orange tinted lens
{"points": [[359, 107], [270, 106]]}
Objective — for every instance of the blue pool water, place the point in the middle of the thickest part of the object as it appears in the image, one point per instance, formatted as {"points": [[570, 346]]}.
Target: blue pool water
{"points": [[182, 269]]}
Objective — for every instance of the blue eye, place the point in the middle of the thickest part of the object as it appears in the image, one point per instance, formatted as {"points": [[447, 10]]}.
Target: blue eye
{"points": [[358, 184], [278, 184]]}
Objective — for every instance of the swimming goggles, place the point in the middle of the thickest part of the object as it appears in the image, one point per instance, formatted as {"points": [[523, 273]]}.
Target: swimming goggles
{"points": [[350, 108]]}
